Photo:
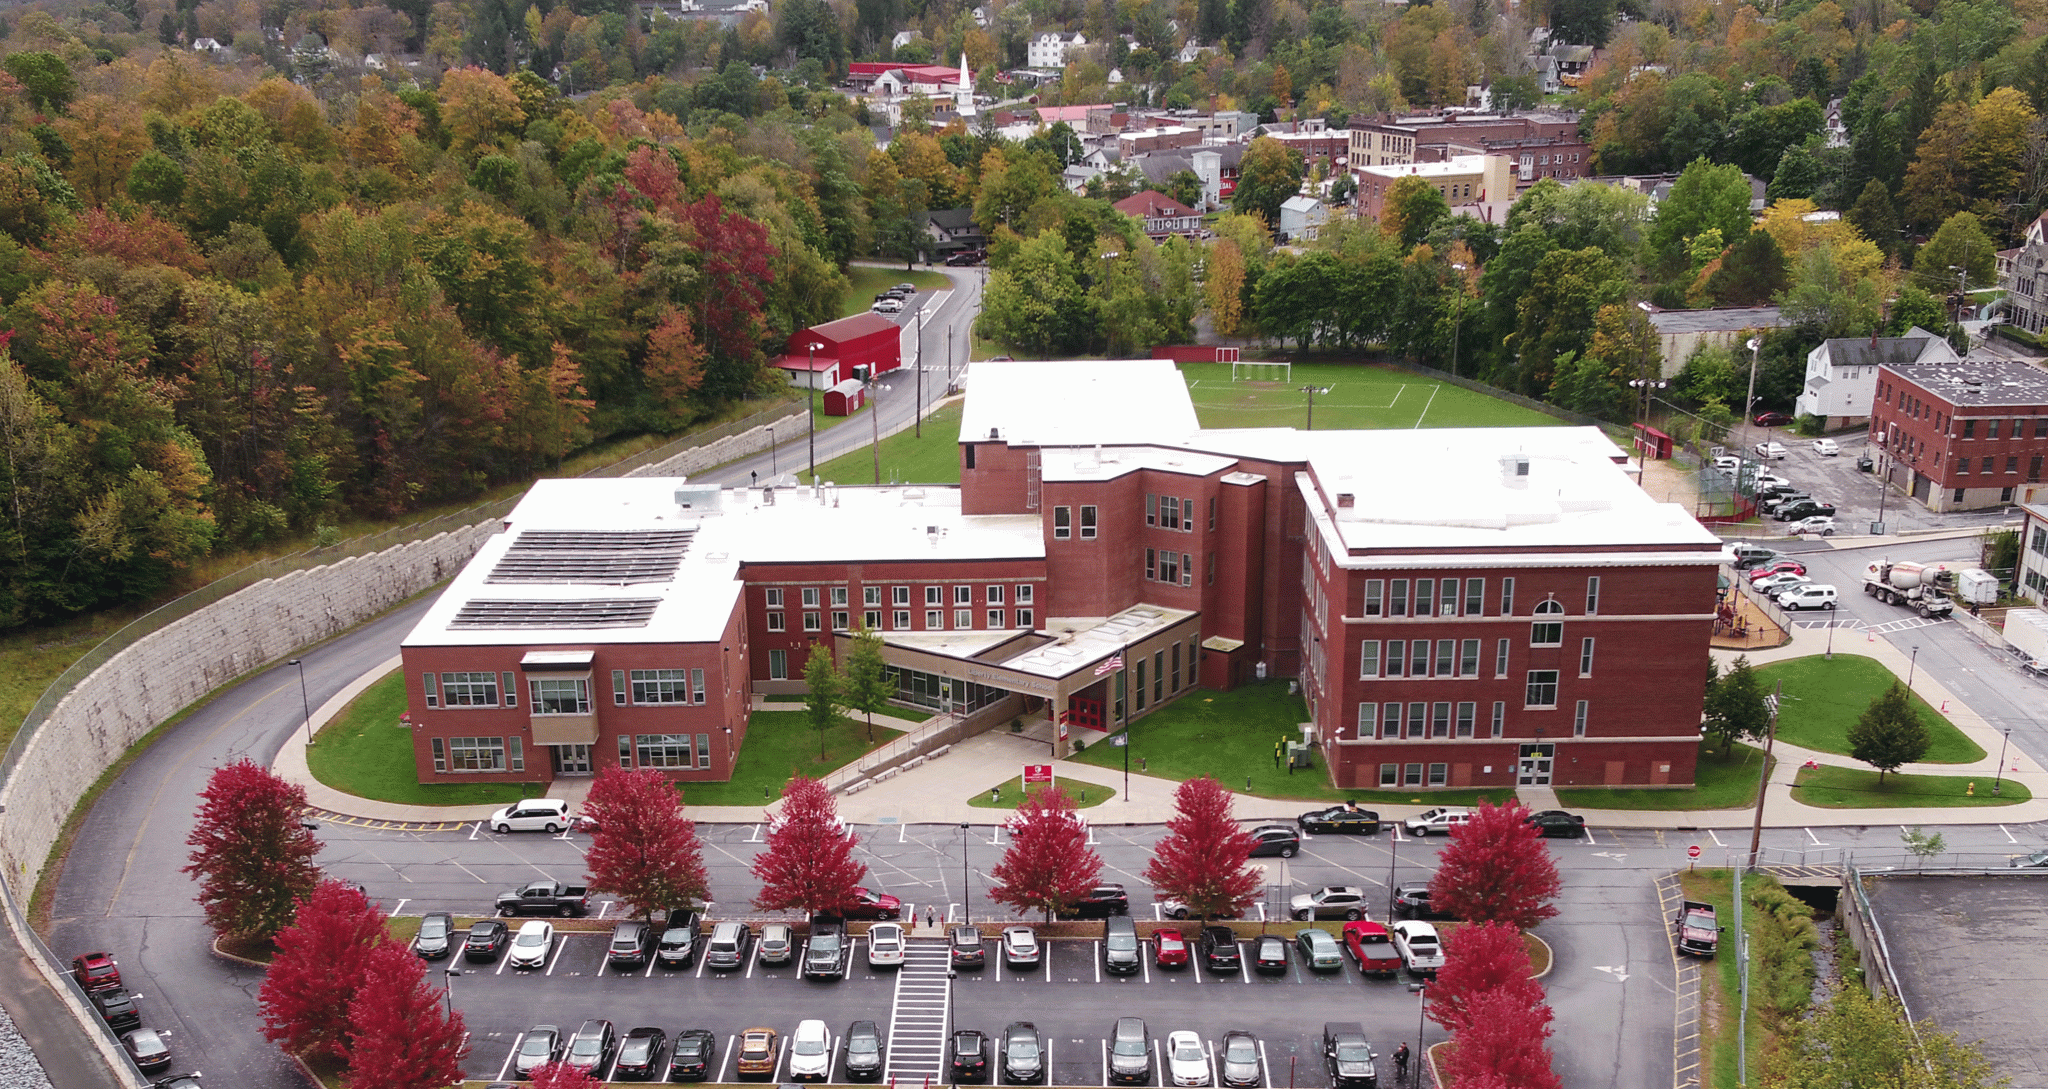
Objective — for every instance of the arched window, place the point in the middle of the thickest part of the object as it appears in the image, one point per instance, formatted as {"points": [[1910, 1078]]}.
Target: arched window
{"points": [[1547, 631]]}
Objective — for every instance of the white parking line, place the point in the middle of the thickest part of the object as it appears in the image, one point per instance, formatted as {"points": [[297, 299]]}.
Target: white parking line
{"points": [[608, 904], [505, 1067], [1210, 1048], [400, 906], [1715, 838], [561, 943], [1816, 839], [649, 973], [1590, 841], [731, 1045], [1244, 970], [702, 960], [1159, 1061], [1095, 955], [474, 830], [1105, 1065], [1265, 1075], [1145, 963]]}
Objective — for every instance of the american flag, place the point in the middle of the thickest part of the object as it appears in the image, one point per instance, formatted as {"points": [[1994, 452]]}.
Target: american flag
{"points": [[1110, 666]]}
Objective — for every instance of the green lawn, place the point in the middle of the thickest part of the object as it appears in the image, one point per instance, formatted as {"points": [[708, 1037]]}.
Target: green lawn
{"points": [[1832, 787], [870, 282], [1230, 735], [932, 459], [1824, 698], [781, 744], [1361, 396], [1085, 795], [1723, 781]]}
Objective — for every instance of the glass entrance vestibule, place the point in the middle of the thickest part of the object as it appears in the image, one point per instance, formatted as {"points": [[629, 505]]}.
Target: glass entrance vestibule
{"points": [[942, 694]]}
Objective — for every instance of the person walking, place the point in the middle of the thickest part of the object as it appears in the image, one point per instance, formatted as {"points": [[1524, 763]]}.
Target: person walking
{"points": [[1401, 1062]]}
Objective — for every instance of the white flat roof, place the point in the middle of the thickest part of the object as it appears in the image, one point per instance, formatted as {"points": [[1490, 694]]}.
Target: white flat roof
{"points": [[1456, 164], [802, 525], [1075, 463], [1042, 402]]}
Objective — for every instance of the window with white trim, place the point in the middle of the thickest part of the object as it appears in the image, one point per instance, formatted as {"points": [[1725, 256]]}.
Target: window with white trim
{"points": [[1546, 632], [1507, 597], [774, 597], [1468, 658], [1447, 600], [1446, 651], [839, 597], [663, 750], [778, 665], [810, 597], [839, 621], [1088, 523], [1475, 597], [872, 620], [871, 596], [1024, 618], [1062, 523], [934, 595], [934, 620], [813, 622], [1369, 659], [1541, 690], [995, 618], [1368, 721], [476, 754], [963, 619], [775, 622], [1425, 596], [1586, 657], [995, 594], [1467, 713], [1592, 595], [1374, 591], [1500, 658], [1397, 597], [1023, 593], [661, 686], [470, 689], [1500, 718], [561, 695], [899, 595], [900, 620], [1579, 720]]}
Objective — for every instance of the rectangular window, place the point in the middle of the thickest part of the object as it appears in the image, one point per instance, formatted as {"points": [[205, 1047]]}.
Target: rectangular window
{"points": [[2012, 465], [810, 597], [1390, 775], [1088, 523], [1579, 720], [1418, 719], [432, 682], [704, 740], [1962, 466], [1397, 597], [1411, 775], [839, 597], [899, 595], [476, 754], [1397, 656], [1425, 596], [1440, 720], [899, 619], [1500, 717], [618, 688], [440, 755], [1187, 569], [1368, 721], [1475, 597], [1447, 602], [1169, 566], [839, 621], [1151, 509], [1169, 512], [995, 595], [663, 750], [1369, 658], [871, 596], [1467, 712], [1507, 597], [1176, 667], [1151, 565], [963, 595], [774, 597], [1438, 774], [1418, 658], [696, 686], [1374, 589], [1991, 429], [995, 618], [470, 689], [1593, 595], [1445, 650], [872, 620], [660, 686], [1990, 465], [1158, 675], [511, 689], [963, 619], [813, 622], [775, 622], [934, 595], [1468, 658], [1586, 657], [778, 665], [1062, 523], [934, 620], [1024, 618], [515, 753], [1139, 682], [1500, 659], [1969, 429], [1542, 689], [1390, 722], [561, 696], [1024, 594]]}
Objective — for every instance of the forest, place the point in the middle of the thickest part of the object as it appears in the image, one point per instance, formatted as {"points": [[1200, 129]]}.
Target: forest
{"points": [[269, 264]]}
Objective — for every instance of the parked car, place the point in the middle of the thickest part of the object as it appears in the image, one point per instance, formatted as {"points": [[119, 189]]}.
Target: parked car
{"points": [[825, 953], [1727, 464], [1773, 585], [1020, 947], [1340, 818], [1100, 902], [1412, 901], [1749, 557], [1816, 596], [691, 1058], [1821, 524], [541, 1045], [146, 1048], [1329, 902], [630, 940], [1275, 839], [2035, 861], [727, 948], [486, 939], [1557, 822], [640, 1053], [1420, 948], [964, 948], [868, 904], [1770, 451], [1771, 503], [1269, 954], [885, 945], [810, 1051], [436, 936], [863, 1051], [1023, 1054], [591, 1047], [1120, 953], [117, 1008], [1178, 909], [777, 944], [1218, 949], [530, 949], [1130, 1052], [905, 290], [963, 258], [967, 1056], [531, 815], [1186, 1062], [96, 971], [1805, 508], [1372, 949], [890, 305], [679, 941], [758, 1047], [1349, 1056], [1826, 448], [1774, 419], [1775, 567], [1439, 820], [177, 1081], [1172, 949], [1239, 1059], [1319, 951]]}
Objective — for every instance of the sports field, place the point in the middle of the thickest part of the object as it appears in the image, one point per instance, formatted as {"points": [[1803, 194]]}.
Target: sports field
{"points": [[1360, 396]]}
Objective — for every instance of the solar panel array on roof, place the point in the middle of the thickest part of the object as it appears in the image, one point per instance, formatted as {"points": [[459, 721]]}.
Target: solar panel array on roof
{"points": [[632, 612], [612, 558]]}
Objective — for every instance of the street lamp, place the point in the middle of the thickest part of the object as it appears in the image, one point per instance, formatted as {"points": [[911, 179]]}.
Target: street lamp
{"points": [[1312, 391], [2000, 780], [1393, 858], [732, 759], [449, 991], [1749, 399], [811, 402], [305, 704], [1421, 993], [1912, 666], [965, 915], [1884, 479]]}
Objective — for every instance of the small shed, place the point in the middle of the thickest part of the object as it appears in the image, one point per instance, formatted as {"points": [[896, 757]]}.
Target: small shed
{"points": [[845, 398]]}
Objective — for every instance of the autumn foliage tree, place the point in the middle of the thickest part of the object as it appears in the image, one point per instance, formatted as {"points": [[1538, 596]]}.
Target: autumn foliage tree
{"points": [[401, 1036], [252, 858], [1481, 958], [1203, 860], [1048, 865], [808, 864], [319, 965], [564, 1076], [1502, 1044], [1496, 869], [645, 852]]}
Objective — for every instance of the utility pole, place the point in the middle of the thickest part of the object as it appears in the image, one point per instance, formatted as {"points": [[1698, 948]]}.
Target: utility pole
{"points": [[1756, 827]]}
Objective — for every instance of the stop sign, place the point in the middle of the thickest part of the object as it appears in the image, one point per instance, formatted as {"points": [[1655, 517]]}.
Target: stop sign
{"points": [[1693, 851]]}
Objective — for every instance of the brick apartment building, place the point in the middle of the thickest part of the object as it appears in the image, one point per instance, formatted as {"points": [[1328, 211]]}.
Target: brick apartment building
{"points": [[1962, 434], [1512, 609], [1538, 145], [1464, 181]]}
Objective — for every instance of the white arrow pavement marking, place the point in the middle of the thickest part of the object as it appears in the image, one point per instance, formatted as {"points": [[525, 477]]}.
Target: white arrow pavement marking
{"points": [[1619, 971], [1615, 855]]}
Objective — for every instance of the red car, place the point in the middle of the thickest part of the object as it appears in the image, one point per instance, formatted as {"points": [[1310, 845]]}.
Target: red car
{"points": [[1173, 949], [1372, 948], [1774, 568], [96, 972], [1773, 419], [874, 905]]}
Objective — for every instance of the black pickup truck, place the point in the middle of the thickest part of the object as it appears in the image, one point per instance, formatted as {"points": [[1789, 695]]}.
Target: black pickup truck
{"points": [[545, 898]]}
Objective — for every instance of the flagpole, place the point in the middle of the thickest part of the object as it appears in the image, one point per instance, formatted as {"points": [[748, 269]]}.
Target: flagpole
{"points": [[1124, 707]]}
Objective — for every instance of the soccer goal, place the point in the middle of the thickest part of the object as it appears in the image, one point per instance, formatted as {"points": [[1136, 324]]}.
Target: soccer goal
{"points": [[1251, 370]]}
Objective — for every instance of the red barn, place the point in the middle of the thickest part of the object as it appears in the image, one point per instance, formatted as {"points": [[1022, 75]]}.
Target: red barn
{"points": [[841, 345]]}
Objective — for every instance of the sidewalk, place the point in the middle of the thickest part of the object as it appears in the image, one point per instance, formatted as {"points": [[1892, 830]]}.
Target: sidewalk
{"points": [[938, 791]]}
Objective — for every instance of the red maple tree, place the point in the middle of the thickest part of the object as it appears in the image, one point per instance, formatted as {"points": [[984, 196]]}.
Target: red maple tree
{"points": [[563, 1076], [319, 964], [253, 859], [808, 864], [1502, 1041], [645, 852], [401, 1036], [1481, 958], [1203, 860], [1496, 869], [1048, 865]]}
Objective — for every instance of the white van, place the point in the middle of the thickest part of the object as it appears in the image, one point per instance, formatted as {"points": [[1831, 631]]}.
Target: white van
{"points": [[531, 815], [1810, 596]]}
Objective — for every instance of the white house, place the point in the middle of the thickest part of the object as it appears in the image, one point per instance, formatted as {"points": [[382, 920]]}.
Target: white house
{"points": [[1049, 50], [1301, 217], [1841, 375]]}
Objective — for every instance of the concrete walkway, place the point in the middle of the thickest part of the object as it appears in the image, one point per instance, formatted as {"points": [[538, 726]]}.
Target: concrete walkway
{"points": [[939, 791]]}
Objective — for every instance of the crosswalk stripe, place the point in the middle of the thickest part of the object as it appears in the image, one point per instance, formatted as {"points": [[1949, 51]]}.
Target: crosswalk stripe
{"points": [[917, 1019]]}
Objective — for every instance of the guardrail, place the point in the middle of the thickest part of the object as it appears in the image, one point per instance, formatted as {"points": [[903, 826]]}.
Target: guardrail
{"points": [[1766, 606], [930, 739]]}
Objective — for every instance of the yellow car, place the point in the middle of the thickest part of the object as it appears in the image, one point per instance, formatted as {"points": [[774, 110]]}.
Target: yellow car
{"points": [[757, 1051]]}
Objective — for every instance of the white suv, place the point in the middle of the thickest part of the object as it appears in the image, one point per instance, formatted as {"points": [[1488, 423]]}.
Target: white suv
{"points": [[810, 1052], [1826, 448], [531, 815], [1770, 451], [885, 945], [1440, 820], [1814, 596]]}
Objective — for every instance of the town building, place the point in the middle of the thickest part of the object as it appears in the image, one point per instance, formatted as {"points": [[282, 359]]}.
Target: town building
{"points": [[2031, 578], [1841, 374], [1464, 181], [1537, 145], [1162, 215], [1049, 50], [1680, 333], [1962, 434], [1301, 217], [1511, 609], [2023, 276], [823, 356]]}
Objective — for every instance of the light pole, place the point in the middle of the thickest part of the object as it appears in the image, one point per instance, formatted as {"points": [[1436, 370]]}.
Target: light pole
{"points": [[965, 915], [1393, 858], [305, 704], [811, 403], [1884, 479], [1647, 386], [1458, 313], [875, 421], [1421, 992], [1749, 399], [918, 416], [449, 991], [1312, 391], [732, 758], [1912, 666], [1999, 781], [1106, 259]]}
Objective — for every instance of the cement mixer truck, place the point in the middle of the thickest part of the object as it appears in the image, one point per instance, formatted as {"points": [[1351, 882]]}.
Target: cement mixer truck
{"points": [[1920, 586]]}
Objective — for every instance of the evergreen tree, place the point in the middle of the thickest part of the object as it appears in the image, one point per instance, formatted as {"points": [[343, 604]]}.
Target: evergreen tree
{"points": [[1890, 732]]}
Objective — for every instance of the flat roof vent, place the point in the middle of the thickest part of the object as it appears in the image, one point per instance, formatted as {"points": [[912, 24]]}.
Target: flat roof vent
{"points": [[1346, 499], [1514, 470], [702, 498]]}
